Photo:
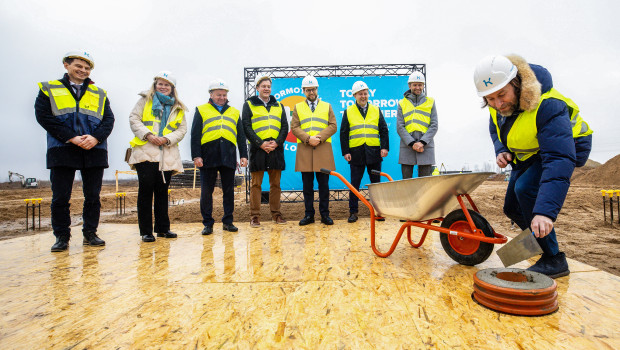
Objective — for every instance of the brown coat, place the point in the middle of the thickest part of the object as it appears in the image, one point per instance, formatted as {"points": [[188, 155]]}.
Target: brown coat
{"points": [[312, 159]]}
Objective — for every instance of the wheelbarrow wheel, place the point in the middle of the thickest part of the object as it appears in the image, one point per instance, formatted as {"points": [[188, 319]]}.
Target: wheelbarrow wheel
{"points": [[466, 251]]}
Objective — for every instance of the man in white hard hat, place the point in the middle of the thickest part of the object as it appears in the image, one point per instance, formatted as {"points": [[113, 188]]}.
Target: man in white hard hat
{"points": [[364, 141], [216, 135], [77, 117], [266, 127], [313, 123], [416, 124], [540, 133]]}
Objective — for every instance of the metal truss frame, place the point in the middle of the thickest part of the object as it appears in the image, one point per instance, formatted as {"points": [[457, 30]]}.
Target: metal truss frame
{"points": [[352, 70]]}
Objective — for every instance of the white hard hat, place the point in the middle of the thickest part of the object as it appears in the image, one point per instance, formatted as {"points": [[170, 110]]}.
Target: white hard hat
{"points": [[358, 86], [261, 78], [167, 76], [218, 84], [493, 73], [416, 77], [309, 81], [81, 54]]}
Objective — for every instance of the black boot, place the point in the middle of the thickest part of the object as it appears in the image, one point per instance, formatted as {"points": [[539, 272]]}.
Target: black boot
{"points": [[552, 266], [62, 244], [90, 238]]}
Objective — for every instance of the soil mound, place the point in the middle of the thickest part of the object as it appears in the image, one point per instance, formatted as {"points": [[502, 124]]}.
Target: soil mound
{"points": [[607, 175]]}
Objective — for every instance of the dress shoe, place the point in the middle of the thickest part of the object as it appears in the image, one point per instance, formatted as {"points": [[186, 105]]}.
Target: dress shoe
{"points": [[379, 218], [306, 220], [148, 238], [254, 222], [352, 218], [62, 243], [229, 228], [327, 220], [279, 220], [168, 234], [207, 230], [90, 238]]}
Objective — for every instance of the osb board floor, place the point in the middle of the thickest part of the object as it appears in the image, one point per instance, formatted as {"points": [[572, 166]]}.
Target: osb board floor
{"points": [[278, 286]]}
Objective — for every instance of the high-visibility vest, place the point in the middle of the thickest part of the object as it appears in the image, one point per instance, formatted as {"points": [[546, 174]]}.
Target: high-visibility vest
{"points": [[522, 139], [363, 130], [313, 122], [266, 124], [148, 119], [417, 118], [435, 172], [216, 125], [83, 118]]}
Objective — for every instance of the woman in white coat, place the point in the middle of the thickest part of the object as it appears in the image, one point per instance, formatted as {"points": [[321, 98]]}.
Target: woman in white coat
{"points": [[158, 123]]}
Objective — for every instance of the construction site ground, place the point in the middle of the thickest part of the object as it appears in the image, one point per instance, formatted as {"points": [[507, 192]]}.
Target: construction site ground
{"points": [[582, 233]]}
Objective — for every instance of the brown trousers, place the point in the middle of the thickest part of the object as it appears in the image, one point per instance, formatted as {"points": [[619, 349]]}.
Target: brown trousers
{"points": [[274, 192]]}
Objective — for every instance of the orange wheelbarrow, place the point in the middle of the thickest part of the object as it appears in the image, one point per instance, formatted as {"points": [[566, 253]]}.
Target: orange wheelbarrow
{"points": [[467, 237]]}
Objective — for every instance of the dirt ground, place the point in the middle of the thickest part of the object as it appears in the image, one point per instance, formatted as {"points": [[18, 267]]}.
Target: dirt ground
{"points": [[581, 231]]}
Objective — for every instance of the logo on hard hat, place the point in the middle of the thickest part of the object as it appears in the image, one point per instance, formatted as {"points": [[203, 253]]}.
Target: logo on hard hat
{"points": [[221, 84], [86, 54], [487, 82], [165, 75]]}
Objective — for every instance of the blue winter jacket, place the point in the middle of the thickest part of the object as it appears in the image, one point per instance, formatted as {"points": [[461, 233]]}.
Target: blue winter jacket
{"points": [[557, 148]]}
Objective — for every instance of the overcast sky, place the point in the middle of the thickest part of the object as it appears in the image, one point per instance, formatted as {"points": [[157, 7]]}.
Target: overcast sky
{"points": [[201, 40]]}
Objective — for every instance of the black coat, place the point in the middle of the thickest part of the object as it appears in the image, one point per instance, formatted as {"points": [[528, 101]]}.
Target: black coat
{"points": [[220, 152], [259, 159], [364, 154], [71, 155]]}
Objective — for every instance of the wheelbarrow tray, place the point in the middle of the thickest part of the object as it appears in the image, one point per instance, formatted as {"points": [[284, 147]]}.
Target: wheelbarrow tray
{"points": [[423, 198]]}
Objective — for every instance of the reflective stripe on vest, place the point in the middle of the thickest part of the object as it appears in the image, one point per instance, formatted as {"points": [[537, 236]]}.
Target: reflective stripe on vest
{"points": [[363, 131], [313, 122], [149, 120], [266, 124], [417, 118], [522, 138], [216, 125], [63, 102]]}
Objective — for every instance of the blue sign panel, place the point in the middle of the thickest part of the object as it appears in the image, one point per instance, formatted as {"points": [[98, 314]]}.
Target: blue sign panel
{"points": [[385, 93]]}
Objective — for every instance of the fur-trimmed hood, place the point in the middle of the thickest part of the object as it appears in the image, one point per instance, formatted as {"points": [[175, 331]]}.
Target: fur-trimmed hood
{"points": [[535, 80]]}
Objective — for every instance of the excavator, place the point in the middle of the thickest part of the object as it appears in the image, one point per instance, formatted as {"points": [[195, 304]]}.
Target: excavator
{"points": [[30, 182]]}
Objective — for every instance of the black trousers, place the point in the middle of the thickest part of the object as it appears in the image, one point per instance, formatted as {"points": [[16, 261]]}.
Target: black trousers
{"points": [[151, 184], [357, 172], [61, 179], [308, 181], [423, 170], [207, 182]]}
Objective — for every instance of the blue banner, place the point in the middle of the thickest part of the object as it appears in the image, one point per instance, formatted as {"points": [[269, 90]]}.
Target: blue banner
{"points": [[385, 92]]}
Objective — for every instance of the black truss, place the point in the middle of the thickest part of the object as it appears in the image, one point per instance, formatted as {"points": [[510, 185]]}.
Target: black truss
{"points": [[354, 70], [250, 73]]}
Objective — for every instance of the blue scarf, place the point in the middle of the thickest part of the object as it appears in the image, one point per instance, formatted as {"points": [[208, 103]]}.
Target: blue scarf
{"points": [[162, 105]]}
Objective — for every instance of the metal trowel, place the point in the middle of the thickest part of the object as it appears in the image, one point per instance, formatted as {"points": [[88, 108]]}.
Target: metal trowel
{"points": [[520, 248]]}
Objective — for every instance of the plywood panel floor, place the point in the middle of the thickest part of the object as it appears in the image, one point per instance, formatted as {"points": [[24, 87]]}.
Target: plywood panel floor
{"points": [[278, 286]]}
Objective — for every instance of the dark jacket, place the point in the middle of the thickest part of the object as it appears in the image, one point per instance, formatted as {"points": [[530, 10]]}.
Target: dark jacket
{"points": [[259, 159], [70, 155], [220, 152], [555, 138], [364, 154]]}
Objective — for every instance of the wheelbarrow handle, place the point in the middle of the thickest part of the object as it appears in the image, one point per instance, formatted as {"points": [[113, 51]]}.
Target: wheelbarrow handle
{"points": [[326, 171], [377, 172]]}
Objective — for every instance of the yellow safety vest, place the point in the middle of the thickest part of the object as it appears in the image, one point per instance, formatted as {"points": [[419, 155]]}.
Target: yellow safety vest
{"points": [[266, 124], [363, 131], [313, 122], [63, 102], [148, 119], [216, 125], [435, 172], [522, 138], [417, 118]]}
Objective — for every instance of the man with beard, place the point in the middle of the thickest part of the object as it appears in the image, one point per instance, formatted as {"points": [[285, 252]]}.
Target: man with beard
{"points": [[416, 124], [540, 133]]}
